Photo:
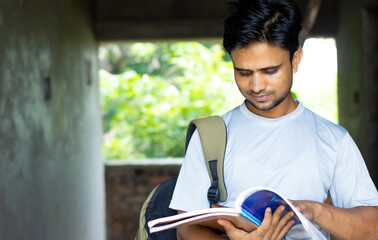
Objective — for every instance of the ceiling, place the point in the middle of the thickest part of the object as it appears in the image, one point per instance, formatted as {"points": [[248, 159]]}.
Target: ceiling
{"points": [[120, 20]]}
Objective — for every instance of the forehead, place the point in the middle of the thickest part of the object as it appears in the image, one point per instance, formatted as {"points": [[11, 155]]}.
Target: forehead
{"points": [[259, 55]]}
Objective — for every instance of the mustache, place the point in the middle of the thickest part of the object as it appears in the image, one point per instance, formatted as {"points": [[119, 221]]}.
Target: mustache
{"points": [[262, 92]]}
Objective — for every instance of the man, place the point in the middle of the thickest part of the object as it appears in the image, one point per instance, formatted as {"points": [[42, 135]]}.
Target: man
{"points": [[274, 141]]}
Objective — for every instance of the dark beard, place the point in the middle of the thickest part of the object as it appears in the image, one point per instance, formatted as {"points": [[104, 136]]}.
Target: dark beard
{"points": [[275, 102]]}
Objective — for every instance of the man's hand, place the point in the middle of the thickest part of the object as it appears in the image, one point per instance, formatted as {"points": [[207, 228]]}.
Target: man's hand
{"points": [[352, 223], [273, 227], [310, 209]]}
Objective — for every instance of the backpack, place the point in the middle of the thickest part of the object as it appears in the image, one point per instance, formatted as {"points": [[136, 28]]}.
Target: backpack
{"points": [[212, 132]]}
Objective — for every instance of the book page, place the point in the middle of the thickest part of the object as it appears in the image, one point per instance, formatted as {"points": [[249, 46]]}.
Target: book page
{"points": [[206, 217]]}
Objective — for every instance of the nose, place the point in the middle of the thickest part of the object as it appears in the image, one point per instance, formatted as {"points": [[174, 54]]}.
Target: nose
{"points": [[257, 83]]}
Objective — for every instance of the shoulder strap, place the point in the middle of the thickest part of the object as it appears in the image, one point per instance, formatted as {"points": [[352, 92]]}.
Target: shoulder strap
{"points": [[212, 131]]}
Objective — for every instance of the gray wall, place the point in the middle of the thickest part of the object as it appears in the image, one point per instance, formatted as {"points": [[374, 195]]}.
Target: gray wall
{"points": [[51, 172], [370, 43], [357, 45], [350, 70]]}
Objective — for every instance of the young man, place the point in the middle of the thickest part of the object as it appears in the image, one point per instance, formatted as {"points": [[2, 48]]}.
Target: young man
{"points": [[274, 141]]}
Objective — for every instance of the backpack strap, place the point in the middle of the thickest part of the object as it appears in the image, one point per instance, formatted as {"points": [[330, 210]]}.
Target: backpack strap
{"points": [[212, 131]]}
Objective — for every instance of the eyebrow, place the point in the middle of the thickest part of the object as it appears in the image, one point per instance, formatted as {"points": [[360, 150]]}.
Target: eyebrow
{"points": [[261, 69]]}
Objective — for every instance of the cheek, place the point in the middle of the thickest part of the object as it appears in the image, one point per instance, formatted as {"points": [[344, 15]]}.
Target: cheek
{"points": [[277, 75], [279, 79], [238, 79], [273, 81], [239, 83], [242, 83]]}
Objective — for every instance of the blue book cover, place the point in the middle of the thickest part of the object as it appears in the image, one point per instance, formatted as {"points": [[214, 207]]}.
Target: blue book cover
{"points": [[253, 207], [253, 202]]}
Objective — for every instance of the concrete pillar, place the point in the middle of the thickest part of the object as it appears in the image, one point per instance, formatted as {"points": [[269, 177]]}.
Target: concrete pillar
{"points": [[350, 70], [51, 171], [370, 43], [357, 77]]}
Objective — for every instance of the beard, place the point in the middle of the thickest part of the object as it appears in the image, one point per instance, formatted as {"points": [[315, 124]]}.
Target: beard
{"points": [[274, 103]]}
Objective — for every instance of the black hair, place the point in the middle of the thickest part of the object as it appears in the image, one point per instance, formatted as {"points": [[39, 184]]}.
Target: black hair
{"points": [[275, 22]]}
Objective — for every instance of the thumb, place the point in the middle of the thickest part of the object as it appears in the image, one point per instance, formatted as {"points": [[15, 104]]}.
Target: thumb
{"points": [[228, 226], [231, 231]]}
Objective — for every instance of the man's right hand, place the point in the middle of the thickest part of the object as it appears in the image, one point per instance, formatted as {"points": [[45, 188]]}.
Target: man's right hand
{"points": [[273, 227]]}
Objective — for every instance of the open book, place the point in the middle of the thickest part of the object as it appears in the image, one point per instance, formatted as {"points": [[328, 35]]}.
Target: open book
{"points": [[248, 214]]}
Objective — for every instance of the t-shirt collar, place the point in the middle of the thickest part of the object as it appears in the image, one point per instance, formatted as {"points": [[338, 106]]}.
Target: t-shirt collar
{"points": [[247, 113]]}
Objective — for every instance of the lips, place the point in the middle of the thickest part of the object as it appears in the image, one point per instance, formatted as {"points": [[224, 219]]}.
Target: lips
{"points": [[260, 98]]}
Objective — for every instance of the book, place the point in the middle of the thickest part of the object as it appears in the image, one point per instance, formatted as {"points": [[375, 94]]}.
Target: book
{"points": [[247, 214]]}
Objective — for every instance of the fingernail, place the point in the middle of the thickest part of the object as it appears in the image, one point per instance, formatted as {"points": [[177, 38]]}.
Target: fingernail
{"points": [[268, 210]]}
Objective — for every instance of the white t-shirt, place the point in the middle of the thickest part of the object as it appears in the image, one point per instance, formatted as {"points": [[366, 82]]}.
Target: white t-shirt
{"points": [[301, 155]]}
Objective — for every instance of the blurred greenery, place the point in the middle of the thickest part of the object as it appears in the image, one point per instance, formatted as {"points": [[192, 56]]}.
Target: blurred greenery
{"points": [[150, 92]]}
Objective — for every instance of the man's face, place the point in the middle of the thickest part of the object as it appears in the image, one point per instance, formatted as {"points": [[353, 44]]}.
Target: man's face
{"points": [[264, 75]]}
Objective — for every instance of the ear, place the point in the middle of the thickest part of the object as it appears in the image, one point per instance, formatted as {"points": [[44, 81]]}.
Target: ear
{"points": [[297, 57]]}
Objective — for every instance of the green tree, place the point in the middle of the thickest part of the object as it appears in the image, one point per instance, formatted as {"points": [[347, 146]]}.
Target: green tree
{"points": [[150, 92]]}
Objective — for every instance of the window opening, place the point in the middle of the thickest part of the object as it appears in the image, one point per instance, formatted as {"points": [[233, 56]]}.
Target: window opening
{"points": [[315, 83], [150, 92]]}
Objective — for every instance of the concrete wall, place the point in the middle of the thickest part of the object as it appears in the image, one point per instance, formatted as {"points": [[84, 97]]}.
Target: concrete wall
{"points": [[127, 186], [51, 172], [370, 43], [350, 70], [358, 79]]}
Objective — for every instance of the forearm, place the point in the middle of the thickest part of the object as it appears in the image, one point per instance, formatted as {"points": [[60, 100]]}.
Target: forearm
{"points": [[354, 223], [196, 232]]}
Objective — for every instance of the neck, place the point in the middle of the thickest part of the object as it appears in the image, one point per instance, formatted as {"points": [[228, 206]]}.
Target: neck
{"points": [[285, 107]]}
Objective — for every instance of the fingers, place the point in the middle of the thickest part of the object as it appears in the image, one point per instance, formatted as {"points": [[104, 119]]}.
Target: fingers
{"points": [[285, 229], [231, 231], [297, 204], [283, 226], [274, 226], [307, 208], [228, 226], [277, 215], [267, 221]]}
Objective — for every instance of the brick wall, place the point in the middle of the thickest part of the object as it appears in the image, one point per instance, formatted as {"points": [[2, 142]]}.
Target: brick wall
{"points": [[127, 186]]}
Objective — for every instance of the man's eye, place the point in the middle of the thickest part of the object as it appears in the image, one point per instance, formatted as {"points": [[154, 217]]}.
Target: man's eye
{"points": [[271, 71], [244, 73]]}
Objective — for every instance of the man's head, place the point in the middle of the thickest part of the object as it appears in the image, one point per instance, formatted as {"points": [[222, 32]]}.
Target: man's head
{"points": [[261, 37], [275, 22]]}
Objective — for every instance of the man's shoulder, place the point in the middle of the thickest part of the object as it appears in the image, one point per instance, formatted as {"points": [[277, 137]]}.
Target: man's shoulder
{"points": [[231, 113], [324, 126]]}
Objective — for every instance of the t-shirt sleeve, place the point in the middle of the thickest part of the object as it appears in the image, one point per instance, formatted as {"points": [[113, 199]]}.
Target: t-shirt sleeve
{"points": [[352, 185], [193, 181]]}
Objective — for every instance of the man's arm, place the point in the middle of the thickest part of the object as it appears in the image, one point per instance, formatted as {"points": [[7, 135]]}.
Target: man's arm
{"points": [[353, 223], [197, 232], [274, 226]]}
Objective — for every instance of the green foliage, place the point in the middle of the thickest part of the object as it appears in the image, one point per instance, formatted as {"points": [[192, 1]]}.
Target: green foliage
{"points": [[151, 91]]}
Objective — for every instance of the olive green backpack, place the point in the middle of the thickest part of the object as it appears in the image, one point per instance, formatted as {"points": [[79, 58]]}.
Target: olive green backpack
{"points": [[212, 132]]}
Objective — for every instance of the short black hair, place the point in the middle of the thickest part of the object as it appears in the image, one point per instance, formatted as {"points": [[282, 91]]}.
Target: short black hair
{"points": [[275, 22]]}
